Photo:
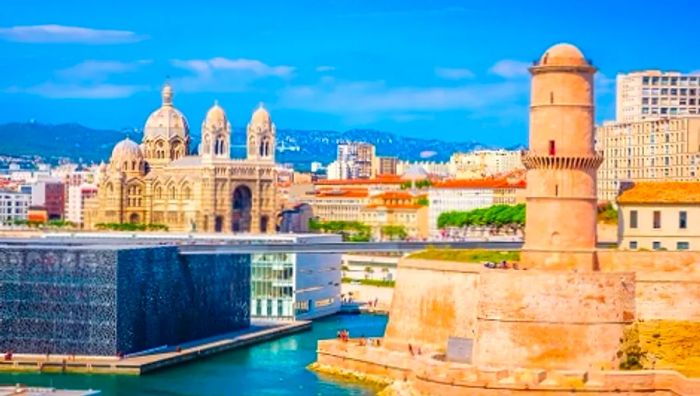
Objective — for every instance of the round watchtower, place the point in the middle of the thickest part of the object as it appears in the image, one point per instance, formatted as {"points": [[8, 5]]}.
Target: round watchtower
{"points": [[561, 162]]}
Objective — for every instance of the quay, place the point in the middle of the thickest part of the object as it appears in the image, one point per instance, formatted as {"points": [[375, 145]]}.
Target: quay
{"points": [[22, 390], [137, 364]]}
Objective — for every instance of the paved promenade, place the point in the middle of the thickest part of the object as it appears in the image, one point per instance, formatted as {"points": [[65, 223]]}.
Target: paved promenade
{"points": [[137, 364]]}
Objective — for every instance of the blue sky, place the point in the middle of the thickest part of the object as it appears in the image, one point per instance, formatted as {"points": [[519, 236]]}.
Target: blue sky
{"points": [[449, 69]]}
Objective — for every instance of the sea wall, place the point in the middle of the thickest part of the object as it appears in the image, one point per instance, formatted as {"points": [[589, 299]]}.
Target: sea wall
{"points": [[552, 320], [432, 301], [668, 283]]}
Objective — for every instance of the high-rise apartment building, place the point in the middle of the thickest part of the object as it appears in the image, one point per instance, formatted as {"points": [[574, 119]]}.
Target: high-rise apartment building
{"points": [[386, 165], [354, 160], [665, 149], [653, 93]]}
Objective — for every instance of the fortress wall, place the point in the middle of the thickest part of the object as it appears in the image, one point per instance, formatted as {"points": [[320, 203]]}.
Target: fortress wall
{"points": [[553, 320], [668, 283], [557, 260], [432, 301]]}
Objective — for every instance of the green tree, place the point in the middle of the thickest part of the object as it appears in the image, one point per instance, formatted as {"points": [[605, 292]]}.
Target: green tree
{"points": [[394, 232]]}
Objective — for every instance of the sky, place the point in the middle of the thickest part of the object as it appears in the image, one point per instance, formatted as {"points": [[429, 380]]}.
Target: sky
{"points": [[454, 70]]}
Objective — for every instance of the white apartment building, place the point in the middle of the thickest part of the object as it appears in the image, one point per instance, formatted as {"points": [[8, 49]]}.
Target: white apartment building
{"points": [[654, 93], [354, 161], [484, 163], [13, 206], [75, 202], [457, 195], [661, 149]]}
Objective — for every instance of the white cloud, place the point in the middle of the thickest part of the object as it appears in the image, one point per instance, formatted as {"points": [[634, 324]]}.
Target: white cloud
{"points": [[508, 68], [226, 75], [369, 100], [243, 65], [453, 73], [325, 68], [603, 84], [99, 70], [67, 34], [78, 91]]}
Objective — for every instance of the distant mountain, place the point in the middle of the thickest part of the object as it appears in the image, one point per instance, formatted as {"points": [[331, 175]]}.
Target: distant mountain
{"points": [[299, 147]]}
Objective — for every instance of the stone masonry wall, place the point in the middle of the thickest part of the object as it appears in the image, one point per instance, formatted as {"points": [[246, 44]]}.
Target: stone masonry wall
{"points": [[432, 301], [559, 320]]}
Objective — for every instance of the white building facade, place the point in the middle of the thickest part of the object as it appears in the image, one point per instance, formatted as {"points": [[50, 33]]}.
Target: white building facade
{"points": [[13, 206], [455, 197]]}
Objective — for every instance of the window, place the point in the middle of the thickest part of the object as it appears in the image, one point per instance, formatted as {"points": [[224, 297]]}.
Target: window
{"points": [[682, 245], [633, 244], [657, 219], [552, 148], [633, 219], [656, 245], [683, 219]]}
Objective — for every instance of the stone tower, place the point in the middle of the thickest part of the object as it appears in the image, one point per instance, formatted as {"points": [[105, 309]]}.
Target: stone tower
{"points": [[216, 135], [261, 134], [562, 162]]}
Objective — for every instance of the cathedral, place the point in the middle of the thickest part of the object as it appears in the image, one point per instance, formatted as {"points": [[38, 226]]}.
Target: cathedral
{"points": [[161, 182]]}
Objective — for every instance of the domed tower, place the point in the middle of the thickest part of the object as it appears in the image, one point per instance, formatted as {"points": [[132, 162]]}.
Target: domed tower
{"points": [[561, 162], [127, 158], [261, 136], [166, 135], [216, 135]]}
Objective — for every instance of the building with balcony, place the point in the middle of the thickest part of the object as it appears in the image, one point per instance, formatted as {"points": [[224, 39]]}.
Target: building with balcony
{"points": [[396, 208], [654, 93], [659, 149]]}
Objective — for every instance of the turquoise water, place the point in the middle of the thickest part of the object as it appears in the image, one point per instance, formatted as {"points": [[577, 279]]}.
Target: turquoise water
{"points": [[274, 368]]}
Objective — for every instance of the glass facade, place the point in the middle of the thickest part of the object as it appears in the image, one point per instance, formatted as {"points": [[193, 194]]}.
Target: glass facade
{"points": [[272, 285]]}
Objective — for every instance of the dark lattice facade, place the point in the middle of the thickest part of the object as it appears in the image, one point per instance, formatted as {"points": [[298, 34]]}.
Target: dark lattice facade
{"points": [[105, 301]]}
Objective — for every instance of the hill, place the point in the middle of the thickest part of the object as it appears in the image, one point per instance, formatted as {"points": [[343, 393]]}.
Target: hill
{"points": [[299, 147]]}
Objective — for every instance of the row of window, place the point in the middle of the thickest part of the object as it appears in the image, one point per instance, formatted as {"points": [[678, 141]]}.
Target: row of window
{"points": [[656, 221], [669, 110], [656, 245], [667, 80], [670, 91]]}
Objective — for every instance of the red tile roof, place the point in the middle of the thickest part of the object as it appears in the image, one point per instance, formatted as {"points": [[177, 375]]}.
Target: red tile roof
{"points": [[661, 192]]}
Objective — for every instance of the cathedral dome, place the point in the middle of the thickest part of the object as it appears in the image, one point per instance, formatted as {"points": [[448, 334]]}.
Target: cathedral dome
{"points": [[216, 115], [126, 151], [563, 54], [166, 121], [261, 115]]}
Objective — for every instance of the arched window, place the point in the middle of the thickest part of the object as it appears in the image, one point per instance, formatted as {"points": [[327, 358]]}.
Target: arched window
{"points": [[205, 144], [171, 192], [159, 192], [186, 192], [251, 145], [220, 145]]}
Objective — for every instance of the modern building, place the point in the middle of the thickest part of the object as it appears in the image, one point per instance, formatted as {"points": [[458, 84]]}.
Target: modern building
{"points": [[659, 216], [13, 206], [377, 184], [50, 194], [295, 285], [654, 93], [161, 181], [647, 150], [386, 166], [109, 300], [399, 209], [485, 163], [355, 160], [75, 204]]}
